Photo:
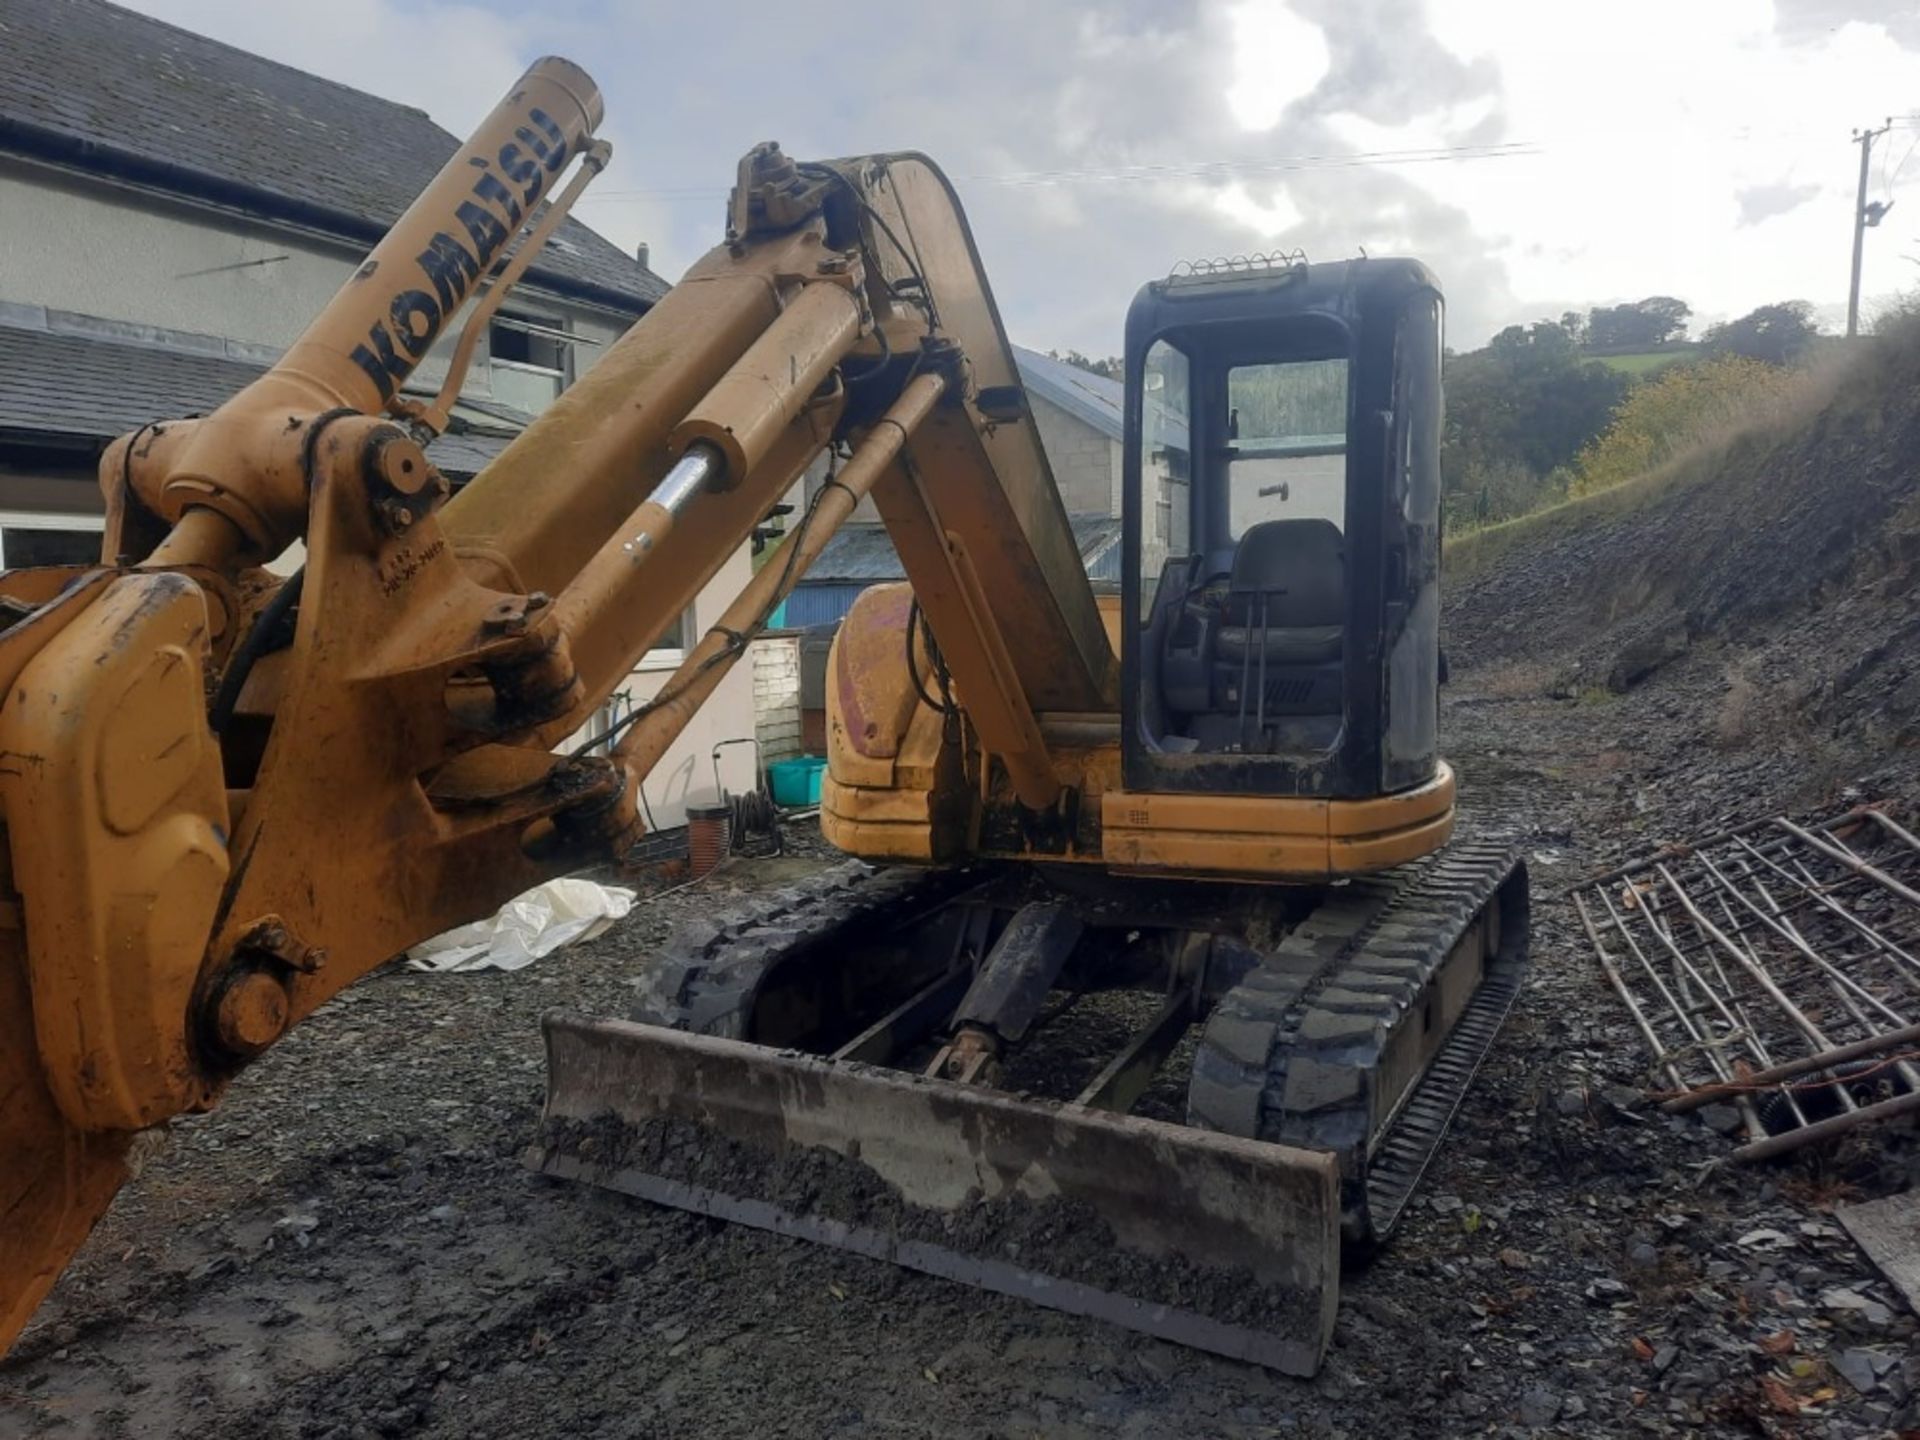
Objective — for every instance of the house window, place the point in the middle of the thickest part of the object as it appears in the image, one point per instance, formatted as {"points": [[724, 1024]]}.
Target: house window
{"points": [[28, 539], [532, 360], [679, 638]]}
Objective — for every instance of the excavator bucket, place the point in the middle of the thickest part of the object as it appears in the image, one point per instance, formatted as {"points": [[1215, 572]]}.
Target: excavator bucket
{"points": [[1202, 1239], [58, 1180]]}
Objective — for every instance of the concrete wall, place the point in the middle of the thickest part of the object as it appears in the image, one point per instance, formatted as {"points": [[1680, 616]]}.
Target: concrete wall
{"points": [[1085, 462], [776, 696], [128, 256]]}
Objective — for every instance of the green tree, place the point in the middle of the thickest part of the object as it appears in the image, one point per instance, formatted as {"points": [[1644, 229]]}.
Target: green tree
{"points": [[1517, 414], [1288, 400], [1638, 325], [1778, 334], [1113, 367], [1543, 343]]}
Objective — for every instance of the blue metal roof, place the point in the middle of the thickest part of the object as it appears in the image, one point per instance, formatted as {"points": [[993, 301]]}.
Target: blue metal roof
{"points": [[1098, 539], [1092, 398], [821, 604]]}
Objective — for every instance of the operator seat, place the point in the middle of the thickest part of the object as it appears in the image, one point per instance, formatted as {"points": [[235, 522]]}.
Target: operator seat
{"points": [[1279, 651], [1286, 595]]}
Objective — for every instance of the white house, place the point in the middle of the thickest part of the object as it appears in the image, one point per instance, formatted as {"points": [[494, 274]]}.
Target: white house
{"points": [[173, 212]]}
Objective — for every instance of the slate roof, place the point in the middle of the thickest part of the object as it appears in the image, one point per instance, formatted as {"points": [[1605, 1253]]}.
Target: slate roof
{"points": [[863, 554], [91, 86], [1086, 396], [857, 553], [91, 388]]}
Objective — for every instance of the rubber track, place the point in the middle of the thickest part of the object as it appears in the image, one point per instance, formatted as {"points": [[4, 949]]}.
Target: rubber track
{"points": [[1291, 1053], [708, 974], [1402, 1154]]}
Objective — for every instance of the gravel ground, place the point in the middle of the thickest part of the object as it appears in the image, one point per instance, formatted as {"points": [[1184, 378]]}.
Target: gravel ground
{"points": [[349, 1247]]}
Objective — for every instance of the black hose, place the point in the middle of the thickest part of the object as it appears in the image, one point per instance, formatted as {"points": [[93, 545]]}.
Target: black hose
{"points": [[880, 363], [917, 621], [241, 662], [913, 669], [265, 627], [753, 812]]}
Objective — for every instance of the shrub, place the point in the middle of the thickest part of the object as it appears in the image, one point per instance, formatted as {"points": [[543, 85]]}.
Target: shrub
{"points": [[1682, 407]]}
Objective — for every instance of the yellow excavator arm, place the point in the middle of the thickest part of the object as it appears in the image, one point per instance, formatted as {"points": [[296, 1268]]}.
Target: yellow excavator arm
{"points": [[212, 828]]}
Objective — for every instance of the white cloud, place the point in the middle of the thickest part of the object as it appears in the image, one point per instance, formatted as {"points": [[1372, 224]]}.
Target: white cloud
{"points": [[1662, 127], [1655, 119], [1269, 219], [1277, 59]]}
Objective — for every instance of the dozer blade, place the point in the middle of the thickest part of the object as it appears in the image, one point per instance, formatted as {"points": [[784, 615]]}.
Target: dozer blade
{"points": [[1201, 1239]]}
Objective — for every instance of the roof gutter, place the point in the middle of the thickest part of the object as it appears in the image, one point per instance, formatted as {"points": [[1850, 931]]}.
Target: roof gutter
{"points": [[91, 157]]}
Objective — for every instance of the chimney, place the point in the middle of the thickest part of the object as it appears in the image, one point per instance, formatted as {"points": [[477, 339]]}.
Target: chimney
{"points": [[640, 253]]}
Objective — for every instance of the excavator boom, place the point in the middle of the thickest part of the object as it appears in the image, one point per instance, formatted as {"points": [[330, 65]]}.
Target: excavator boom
{"points": [[186, 883]]}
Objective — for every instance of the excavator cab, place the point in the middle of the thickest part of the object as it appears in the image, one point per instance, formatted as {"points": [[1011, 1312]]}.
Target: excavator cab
{"points": [[1281, 530]]}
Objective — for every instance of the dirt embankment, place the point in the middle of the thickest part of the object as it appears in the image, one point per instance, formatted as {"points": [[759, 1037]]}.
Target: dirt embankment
{"points": [[1786, 558]]}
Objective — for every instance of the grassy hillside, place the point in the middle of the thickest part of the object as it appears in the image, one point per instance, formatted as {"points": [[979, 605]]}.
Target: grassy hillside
{"points": [[1645, 363], [1480, 552], [1784, 514]]}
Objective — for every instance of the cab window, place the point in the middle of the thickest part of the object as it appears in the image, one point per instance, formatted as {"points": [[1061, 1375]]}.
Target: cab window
{"points": [[1286, 443]]}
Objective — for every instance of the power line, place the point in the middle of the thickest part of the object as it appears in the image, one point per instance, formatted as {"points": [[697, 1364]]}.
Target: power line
{"points": [[1206, 168], [1894, 179], [1190, 170]]}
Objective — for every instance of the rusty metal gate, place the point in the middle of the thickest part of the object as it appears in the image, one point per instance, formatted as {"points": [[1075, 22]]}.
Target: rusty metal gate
{"points": [[1773, 967]]}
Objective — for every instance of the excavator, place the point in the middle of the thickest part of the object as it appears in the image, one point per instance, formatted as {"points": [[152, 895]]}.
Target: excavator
{"points": [[1199, 821]]}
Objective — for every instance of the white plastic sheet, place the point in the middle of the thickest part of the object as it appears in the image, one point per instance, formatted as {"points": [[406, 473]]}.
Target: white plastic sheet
{"points": [[537, 923]]}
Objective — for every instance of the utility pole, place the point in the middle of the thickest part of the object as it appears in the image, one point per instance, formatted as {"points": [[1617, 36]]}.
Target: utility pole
{"points": [[1863, 216]]}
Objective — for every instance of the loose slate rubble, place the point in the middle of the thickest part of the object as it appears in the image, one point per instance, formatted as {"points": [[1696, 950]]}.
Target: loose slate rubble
{"points": [[1889, 1231]]}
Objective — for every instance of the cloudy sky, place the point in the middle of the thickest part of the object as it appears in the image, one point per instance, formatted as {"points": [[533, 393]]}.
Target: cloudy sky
{"points": [[1540, 154]]}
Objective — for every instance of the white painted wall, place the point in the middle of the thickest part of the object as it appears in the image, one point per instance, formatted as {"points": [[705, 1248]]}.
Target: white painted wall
{"points": [[127, 256], [685, 773], [776, 696]]}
